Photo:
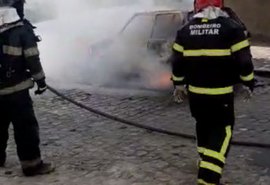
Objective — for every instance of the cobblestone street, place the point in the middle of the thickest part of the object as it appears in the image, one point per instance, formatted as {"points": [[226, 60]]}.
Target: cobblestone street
{"points": [[91, 150]]}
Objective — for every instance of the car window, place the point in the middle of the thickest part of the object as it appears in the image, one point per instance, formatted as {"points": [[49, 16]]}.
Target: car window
{"points": [[139, 28], [166, 26]]}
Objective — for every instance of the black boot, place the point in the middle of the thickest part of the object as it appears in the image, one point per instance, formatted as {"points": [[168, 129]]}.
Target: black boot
{"points": [[2, 160], [40, 169]]}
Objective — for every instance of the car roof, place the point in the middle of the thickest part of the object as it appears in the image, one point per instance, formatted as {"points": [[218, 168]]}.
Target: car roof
{"points": [[157, 12]]}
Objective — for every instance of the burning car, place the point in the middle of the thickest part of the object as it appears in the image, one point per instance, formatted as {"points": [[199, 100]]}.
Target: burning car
{"points": [[141, 47], [151, 30]]}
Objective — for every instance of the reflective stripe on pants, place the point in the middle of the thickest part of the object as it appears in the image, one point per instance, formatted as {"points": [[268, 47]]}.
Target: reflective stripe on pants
{"points": [[215, 120]]}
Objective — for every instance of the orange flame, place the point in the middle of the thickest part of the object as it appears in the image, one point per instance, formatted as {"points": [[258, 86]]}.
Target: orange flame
{"points": [[163, 81]]}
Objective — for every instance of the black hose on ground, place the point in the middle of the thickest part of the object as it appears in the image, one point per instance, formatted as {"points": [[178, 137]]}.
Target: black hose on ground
{"points": [[262, 73], [149, 128]]}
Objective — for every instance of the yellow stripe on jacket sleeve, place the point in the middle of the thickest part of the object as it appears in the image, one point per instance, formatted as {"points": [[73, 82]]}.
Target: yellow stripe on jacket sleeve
{"points": [[240, 45], [178, 48], [177, 79], [248, 77], [31, 52]]}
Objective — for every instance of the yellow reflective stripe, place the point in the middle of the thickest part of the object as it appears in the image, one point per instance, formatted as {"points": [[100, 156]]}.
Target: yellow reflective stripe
{"points": [[178, 47], [248, 77], [21, 86], [204, 20], [31, 52], [207, 52], [214, 154], [227, 139], [210, 166], [201, 150], [210, 91], [175, 78], [9, 26], [240, 45], [202, 182], [10, 50], [39, 75]]}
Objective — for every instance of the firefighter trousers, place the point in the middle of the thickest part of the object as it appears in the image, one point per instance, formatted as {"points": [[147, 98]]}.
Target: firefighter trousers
{"points": [[17, 109], [214, 117]]}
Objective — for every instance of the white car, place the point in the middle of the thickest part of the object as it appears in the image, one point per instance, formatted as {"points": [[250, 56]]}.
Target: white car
{"points": [[148, 29], [141, 48]]}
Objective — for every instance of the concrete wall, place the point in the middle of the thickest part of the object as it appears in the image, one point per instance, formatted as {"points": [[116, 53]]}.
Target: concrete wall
{"points": [[255, 14]]}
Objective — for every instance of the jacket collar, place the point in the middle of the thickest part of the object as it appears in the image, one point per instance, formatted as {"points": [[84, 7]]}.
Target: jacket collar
{"points": [[211, 13], [9, 18], [6, 27]]}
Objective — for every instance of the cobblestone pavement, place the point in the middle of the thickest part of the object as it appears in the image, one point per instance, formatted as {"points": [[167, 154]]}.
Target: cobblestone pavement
{"points": [[262, 57], [91, 150]]}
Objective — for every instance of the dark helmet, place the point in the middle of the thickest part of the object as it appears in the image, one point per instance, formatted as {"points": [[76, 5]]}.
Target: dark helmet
{"points": [[10, 2], [18, 4], [6, 3]]}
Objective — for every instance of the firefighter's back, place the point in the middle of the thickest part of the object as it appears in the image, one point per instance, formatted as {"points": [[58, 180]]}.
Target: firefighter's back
{"points": [[208, 52], [13, 69]]}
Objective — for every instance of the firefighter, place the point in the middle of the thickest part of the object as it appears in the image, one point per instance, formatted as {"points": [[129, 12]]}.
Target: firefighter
{"points": [[210, 55], [20, 67]]}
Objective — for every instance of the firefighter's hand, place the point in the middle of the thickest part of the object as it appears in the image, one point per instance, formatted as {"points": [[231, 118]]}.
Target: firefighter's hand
{"points": [[247, 94], [248, 88], [179, 93], [42, 87]]}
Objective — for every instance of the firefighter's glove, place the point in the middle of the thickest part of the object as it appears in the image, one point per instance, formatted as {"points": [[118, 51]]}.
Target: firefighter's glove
{"points": [[42, 87], [248, 34], [179, 93], [248, 88], [247, 94]]}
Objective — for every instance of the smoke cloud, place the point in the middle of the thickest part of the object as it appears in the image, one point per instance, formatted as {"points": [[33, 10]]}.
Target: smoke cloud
{"points": [[75, 35]]}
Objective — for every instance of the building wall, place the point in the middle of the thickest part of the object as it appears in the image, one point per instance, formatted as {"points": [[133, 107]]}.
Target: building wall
{"points": [[255, 14]]}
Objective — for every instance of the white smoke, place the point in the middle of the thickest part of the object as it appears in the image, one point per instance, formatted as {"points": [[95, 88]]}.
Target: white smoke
{"points": [[70, 28]]}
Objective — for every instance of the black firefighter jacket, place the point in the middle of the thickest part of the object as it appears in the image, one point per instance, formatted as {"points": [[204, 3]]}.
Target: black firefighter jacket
{"points": [[212, 55], [19, 58]]}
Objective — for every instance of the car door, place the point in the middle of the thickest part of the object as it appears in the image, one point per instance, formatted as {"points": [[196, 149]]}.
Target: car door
{"points": [[164, 31], [138, 30]]}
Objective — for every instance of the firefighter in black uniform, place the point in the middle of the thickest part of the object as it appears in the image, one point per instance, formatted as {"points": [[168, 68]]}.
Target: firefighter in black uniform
{"points": [[210, 55], [20, 67]]}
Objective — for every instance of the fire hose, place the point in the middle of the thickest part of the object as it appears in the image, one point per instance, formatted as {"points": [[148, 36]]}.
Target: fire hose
{"points": [[149, 128], [262, 73]]}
